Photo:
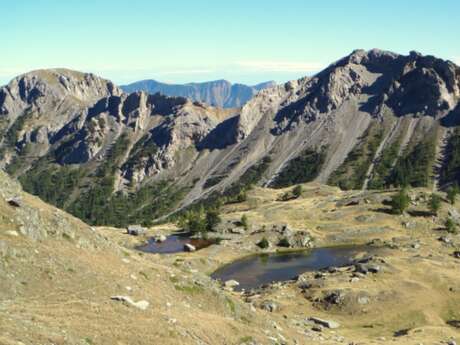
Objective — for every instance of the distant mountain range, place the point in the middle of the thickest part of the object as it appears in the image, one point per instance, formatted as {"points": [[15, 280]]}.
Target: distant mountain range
{"points": [[219, 93], [373, 119]]}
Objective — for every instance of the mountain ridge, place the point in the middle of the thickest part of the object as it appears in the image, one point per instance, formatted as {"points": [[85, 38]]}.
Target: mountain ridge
{"points": [[221, 93], [372, 119]]}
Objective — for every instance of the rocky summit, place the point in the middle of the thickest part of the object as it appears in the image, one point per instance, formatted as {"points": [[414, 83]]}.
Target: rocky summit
{"points": [[372, 120]]}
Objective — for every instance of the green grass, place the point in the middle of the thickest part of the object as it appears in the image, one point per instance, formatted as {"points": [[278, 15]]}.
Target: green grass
{"points": [[246, 339], [189, 289]]}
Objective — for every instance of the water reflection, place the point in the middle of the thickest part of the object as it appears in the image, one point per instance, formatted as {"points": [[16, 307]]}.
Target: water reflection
{"points": [[256, 270]]}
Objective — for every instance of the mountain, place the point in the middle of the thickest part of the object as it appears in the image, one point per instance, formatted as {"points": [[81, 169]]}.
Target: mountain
{"points": [[373, 119], [219, 93]]}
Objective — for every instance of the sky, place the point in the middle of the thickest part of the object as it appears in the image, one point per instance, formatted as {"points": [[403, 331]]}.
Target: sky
{"points": [[246, 41]]}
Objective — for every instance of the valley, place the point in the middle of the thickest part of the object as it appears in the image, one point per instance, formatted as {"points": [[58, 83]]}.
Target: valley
{"points": [[323, 210], [55, 268]]}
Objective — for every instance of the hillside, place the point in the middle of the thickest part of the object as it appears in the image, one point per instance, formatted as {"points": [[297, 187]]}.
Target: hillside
{"points": [[57, 277], [218, 93], [371, 120]]}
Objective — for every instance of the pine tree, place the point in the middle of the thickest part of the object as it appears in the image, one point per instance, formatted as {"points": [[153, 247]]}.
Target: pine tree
{"points": [[400, 202], [435, 204]]}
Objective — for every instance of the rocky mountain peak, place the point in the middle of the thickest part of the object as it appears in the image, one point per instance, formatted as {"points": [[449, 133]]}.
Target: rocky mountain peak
{"points": [[42, 85]]}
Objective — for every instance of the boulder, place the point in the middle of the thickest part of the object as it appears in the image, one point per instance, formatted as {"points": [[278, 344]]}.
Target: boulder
{"points": [[142, 305], [15, 202], [231, 284], [334, 297], [189, 247], [269, 306], [454, 215], [12, 233], [239, 231], [409, 225], [325, 323], [160, 238], [367, 268], [135, 230], [445, 239]]}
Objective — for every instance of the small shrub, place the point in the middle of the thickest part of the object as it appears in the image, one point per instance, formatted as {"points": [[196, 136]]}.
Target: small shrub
{"points": [[285, 197], [297, 191], [244, 222], [452, 193], [284, 242], [242, 196], [263, 243], [212, 219], [450, 225]]}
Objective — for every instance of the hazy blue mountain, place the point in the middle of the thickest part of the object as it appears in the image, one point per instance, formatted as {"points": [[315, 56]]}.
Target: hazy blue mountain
{"points": [[220, 93]]}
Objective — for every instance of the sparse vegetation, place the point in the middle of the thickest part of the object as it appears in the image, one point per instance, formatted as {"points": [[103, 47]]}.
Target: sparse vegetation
{"points": [[301, 169], [212, 219], [382, 169], [200, 220], [263, 243], [212, 181], [237, 191], [284, 242], [297, 191], [452, 192], [450, 225], [12, 135], [352, 173], [244, 222]]}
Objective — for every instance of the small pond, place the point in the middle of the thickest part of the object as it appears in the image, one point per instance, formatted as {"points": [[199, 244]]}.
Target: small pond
{"points": [[256, 270], [173, 244]]}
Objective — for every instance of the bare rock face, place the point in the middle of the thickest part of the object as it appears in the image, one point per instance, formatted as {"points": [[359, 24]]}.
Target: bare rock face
{"points": [[37, 106], [81, 121], [45, 87]]}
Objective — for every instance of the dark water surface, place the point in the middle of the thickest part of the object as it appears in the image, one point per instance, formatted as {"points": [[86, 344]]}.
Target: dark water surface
{"points": [[256, 270], [173, 244]]}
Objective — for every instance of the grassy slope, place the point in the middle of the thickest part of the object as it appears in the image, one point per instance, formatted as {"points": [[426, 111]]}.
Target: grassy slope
{"points": [[58, 289]]}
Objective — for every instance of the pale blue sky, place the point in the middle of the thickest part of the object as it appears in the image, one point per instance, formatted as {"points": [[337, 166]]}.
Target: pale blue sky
{"points": [[240, 40]]}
